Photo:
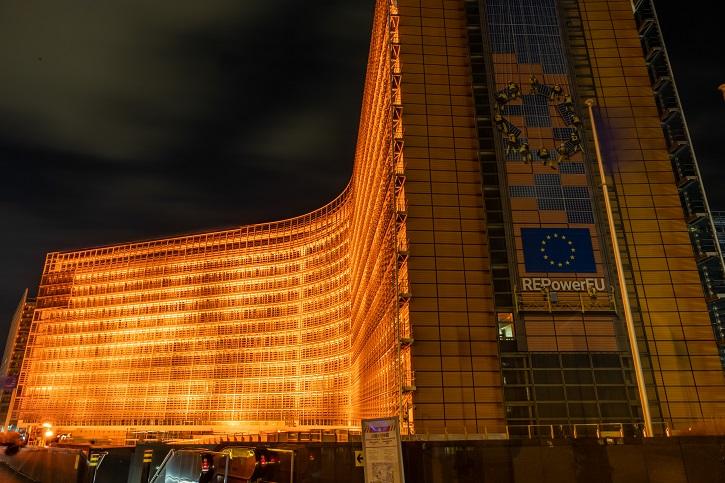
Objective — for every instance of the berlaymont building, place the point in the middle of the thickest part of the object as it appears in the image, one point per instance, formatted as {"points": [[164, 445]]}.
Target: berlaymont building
{"points": [[478, 275]]}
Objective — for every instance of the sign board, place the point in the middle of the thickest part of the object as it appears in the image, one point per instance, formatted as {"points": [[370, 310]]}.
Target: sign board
{"points": [[558, 250], [359, 458], [588, 285], [382, 454]]}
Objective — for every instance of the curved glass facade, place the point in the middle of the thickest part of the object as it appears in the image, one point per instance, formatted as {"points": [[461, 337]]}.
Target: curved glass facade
{"points": [[276, 325], [246, 325]]}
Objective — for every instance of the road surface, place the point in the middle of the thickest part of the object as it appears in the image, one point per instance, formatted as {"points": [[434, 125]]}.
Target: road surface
{"points": [[9, 476]]}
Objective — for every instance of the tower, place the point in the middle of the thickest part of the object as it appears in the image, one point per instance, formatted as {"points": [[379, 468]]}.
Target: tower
{"points": [[13, 356]]}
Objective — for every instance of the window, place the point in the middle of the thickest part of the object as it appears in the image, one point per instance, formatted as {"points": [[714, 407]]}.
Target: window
{"points": [[506, 330], [515, 377], [518, 412], [547, 377], [549, 393]]}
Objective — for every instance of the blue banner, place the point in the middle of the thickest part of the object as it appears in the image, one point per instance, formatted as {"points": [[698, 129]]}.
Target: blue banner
{"points": [[558, 250]]}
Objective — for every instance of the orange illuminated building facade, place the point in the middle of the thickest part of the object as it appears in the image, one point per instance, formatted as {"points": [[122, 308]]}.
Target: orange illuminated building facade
{"points": [[463, 280]]}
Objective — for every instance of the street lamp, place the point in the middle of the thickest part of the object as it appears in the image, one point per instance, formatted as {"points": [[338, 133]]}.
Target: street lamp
{"points": [[46, 431]]}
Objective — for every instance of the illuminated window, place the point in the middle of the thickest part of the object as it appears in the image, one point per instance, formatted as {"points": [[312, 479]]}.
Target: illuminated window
{"points": [[506, 329]]}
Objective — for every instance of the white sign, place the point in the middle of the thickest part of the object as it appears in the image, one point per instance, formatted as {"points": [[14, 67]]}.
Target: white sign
{"points": [[589, 285], [382, 454]]}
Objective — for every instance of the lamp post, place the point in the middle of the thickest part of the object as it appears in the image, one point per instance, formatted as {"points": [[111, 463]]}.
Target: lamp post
{"points": [[629, 322]]}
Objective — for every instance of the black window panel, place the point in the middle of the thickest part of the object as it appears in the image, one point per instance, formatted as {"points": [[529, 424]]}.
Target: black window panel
{"points": [[500, 273], [490, 179], [508, 346], [515, 377], [547, 377], [501, 285], [609, 377], [516, 394], [518, 412], [497, 243], [612, 393], [637, 412], [485, 130], [513, 362], [547, 393], [575, 360], [503, 300], [498, 258], [614, 410], [580, 393], [551, 410], [583, 410], [495, 230], [494, 204], [578, 377], [489, 167], [545, 360], [495, 217], [606, 360]]}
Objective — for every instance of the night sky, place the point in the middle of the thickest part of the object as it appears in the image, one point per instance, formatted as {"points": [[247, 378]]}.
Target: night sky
{"points": [[130, 120]]}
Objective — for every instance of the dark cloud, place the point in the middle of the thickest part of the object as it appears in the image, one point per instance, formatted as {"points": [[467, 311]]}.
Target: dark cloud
{"points": [[694, 45], [132, 120]]}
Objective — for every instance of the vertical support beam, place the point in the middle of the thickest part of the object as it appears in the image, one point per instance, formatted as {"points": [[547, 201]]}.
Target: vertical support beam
{"points": [[642, 389]]}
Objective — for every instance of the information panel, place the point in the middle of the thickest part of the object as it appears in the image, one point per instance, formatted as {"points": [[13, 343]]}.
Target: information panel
{"points": [[382, 452]]}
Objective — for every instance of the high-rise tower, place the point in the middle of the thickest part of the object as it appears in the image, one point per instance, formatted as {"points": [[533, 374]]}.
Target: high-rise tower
{"points": [[13, 356], [463, 281]]}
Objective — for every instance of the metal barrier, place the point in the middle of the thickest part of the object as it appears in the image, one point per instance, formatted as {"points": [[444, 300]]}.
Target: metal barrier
{"points": [[550, 301]]}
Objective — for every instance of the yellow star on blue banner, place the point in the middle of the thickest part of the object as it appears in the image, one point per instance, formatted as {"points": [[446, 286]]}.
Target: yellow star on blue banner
{"points": [[558, 250]]}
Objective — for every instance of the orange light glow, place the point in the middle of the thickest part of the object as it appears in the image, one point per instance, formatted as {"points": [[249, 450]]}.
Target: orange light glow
{"points": [[270, 326]]}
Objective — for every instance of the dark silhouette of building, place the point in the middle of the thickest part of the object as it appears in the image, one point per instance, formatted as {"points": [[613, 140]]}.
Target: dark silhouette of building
{"points": [[13, 355]]}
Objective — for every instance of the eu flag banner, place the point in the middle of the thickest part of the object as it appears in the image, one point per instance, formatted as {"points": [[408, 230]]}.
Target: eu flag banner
{"points": [[558, 250]]}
